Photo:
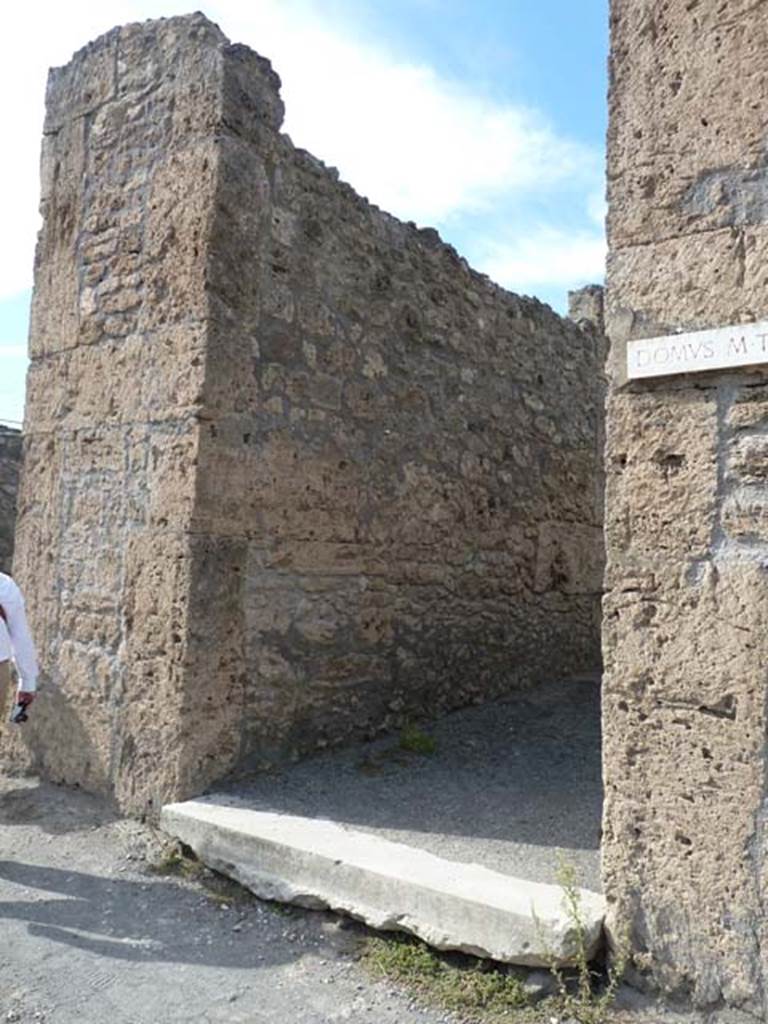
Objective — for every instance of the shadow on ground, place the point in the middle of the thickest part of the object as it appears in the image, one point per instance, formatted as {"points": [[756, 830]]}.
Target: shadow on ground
{"points": [[144, 921], [514, 785], [90, 934], [26, 802]]}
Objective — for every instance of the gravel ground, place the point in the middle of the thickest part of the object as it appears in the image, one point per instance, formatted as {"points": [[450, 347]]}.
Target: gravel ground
{"points": [[91, 936], [513, 785]]}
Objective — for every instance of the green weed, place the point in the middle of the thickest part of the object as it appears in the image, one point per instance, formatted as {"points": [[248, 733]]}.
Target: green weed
{"points": [[415, 741], [178, 863], [478, 988], [585, 995], [487, 993]]}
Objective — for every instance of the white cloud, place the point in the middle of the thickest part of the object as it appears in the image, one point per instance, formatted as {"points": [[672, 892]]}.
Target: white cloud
{"points": [[37, 35], [546, 256], [421, 146]]}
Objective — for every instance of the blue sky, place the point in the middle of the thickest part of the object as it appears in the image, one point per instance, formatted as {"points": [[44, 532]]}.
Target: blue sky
{"points": [[485, 119]]}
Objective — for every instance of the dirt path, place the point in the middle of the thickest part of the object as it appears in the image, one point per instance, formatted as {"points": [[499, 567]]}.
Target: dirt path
{"points": [[90, 936]]}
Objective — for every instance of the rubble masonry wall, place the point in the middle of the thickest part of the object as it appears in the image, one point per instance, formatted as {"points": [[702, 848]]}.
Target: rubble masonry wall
{"points": [[10, 466], [294, 471]]}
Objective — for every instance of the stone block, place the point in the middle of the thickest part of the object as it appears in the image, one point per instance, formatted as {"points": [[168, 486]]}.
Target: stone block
{"points": [[10, 468], [388, 885], [83, 85]]}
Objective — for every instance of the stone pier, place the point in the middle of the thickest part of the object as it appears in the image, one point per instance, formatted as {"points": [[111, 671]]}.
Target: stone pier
{"points": [[685, 639]]}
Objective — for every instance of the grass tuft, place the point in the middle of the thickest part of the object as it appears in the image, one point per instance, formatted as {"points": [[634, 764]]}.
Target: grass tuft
{"points": [[476, 987], [484, 992], [415, 741]]}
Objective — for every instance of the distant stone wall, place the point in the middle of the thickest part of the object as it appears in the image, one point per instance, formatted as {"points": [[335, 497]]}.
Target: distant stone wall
{"points": [[10, 466], [295, 471]]}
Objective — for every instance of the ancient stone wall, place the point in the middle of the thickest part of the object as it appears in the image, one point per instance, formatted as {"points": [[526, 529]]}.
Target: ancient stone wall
{"points": [[685, 643], [295, 471], [10, 466], [401, 457]]}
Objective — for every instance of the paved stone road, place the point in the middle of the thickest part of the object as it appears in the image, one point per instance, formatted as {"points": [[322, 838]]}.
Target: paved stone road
{"points": [[88, 936]]}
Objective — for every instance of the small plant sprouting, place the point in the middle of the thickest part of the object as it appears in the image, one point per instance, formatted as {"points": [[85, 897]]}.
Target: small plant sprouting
{"points": [[487, 993], [415, 741], [588, 997], [177, 861]]}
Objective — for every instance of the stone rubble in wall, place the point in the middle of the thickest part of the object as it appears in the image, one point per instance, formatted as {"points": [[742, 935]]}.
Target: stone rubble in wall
{"points": [[10, 467]]}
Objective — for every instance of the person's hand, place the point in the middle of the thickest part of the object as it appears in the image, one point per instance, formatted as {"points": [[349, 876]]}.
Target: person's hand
{"points": [[25, 697]]}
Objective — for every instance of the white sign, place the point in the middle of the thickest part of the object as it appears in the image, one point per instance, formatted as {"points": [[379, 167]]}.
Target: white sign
{"points": [[718, 349]]}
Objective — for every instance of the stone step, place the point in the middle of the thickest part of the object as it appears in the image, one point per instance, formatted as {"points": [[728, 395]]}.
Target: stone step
{"points": [[321, 864]]}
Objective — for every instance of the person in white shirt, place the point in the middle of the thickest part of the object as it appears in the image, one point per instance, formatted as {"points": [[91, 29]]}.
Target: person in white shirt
{"points": [[15, 644]]}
